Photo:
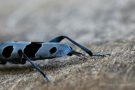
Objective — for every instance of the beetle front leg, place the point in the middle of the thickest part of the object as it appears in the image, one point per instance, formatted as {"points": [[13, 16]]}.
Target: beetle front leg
{"points": [[34, 65]]}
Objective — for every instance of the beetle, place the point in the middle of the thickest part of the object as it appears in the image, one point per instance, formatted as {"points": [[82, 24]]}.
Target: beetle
{"points": [[18, 52]]}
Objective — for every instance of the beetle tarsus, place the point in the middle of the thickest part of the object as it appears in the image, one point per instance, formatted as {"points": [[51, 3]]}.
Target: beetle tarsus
{"points": [[100, 55]]}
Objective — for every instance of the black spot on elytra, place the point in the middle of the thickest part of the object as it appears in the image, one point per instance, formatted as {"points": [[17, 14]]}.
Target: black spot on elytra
{"points": [[53, 50], [7, 51], [31, 49]]}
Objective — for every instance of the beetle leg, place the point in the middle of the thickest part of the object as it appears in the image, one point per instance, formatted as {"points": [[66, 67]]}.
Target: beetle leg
{"points": [[34, 65], [60, 38], [100, 55]]}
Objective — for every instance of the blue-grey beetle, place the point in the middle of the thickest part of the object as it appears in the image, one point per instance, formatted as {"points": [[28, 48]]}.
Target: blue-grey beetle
{"points": [[18, 52]]}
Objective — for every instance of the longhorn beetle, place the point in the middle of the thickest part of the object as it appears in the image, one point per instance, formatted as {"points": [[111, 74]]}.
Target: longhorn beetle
{"points": [[18, 52]]}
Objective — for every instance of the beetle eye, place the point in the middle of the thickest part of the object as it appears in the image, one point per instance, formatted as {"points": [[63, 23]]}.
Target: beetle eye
{"points": [[53, 50]]}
